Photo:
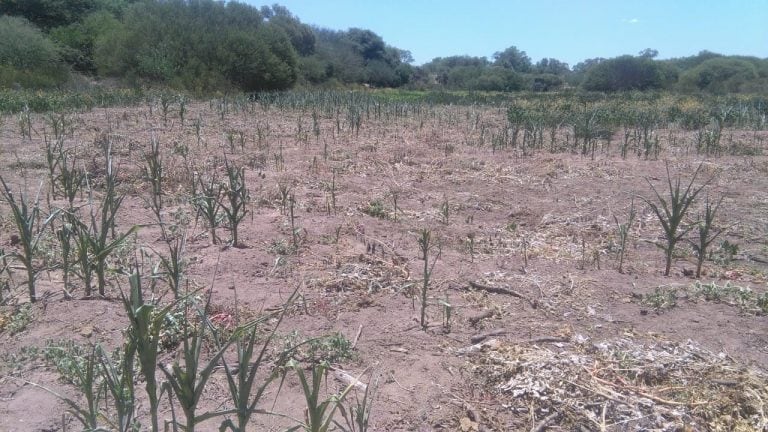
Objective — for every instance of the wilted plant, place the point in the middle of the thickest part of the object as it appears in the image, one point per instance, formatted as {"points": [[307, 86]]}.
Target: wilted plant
{"points": [[26, 217], [427, 247], [234, 199], [94, 243], [242, 379], [70, 180], [188, 382], [707, 232], [357, 415], [207, 198], [54, 158], [85, 376], [445, 210], [153, 169], [671, 213], [143, 336], [118, 380], [25, 122], [319, 413], [623, 230]]}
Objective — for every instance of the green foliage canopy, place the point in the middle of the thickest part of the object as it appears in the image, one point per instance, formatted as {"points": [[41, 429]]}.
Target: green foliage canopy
{"points": [[27, 57]]}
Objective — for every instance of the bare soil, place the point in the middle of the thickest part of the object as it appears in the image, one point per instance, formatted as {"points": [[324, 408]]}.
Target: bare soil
{"points": [[540, 225]]}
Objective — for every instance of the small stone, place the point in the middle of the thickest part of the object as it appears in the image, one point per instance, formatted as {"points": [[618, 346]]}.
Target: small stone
{"points": [[467, 425], [86, 331]]}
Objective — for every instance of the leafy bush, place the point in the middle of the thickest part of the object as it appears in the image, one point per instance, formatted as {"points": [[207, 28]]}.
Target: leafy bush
{"points": [[27, 57]]}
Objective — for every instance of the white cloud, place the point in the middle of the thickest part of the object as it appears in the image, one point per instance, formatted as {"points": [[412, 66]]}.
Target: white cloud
{"points": [[630, 20]]}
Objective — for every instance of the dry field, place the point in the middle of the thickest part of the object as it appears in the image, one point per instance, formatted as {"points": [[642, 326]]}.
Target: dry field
{"points": [[529, 324]]}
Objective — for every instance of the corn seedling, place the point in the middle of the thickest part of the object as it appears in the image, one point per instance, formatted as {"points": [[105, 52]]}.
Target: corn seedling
{"points": [[94, 243], [447, 313], [83, 373], [25, 122], [207, 198], [427, 247], [5, 268], [332, 190], [26, 217], [623, 230], [174, 264], [471, 246], [319, 413], [70, 180], [394, 193], [445, 210], [183, 101], [188, 382], [284, 189], [198, 125], [118, 380], [165, 106], [671, 213], [707, 232], [242, 379], [234, 199], [153, 169], [294, 230], [357, 415], [143, 335], [54, 158], [65, 236]]}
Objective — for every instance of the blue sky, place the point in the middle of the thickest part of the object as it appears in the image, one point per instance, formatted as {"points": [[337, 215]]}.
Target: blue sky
{"points": [[568, 30]]}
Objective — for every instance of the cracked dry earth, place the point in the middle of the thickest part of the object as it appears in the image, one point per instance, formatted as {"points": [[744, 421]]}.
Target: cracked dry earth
{"points": [[527, 253]]}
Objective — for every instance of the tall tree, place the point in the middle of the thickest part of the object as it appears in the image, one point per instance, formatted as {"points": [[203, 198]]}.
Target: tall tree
{"points": [[513, 58]]}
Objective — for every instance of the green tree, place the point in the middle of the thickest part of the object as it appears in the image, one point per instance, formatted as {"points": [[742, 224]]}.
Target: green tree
{"points": [[627, 73], [513, 58], [27, 57], [48, 13], [720, 75]]}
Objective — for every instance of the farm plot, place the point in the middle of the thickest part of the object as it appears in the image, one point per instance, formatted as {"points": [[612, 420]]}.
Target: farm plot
{"points": [[334, 260]]}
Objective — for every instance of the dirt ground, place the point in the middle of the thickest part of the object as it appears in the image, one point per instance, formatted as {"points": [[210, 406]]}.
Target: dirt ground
{"points": [[540, 226]]}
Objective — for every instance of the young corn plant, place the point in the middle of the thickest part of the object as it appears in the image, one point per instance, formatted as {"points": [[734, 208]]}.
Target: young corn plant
{"points": [[427, 246], [70, 180], [319, 413], [54, 158], [623, 230], [65, 235], [244, 391], [357, 415], [707, 232], [671, 211], [153, 169], [118, 379], [85, 376], [207, 198], [188, 382], [26, 217], [235, 199], [143, 337], [96, 235]]}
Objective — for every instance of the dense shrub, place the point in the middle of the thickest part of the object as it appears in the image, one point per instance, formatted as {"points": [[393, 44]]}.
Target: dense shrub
{"points": [[28, 58]]}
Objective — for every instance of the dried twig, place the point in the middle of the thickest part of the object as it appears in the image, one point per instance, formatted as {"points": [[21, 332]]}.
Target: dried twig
{"points": [[500, 290], [545, 423], [483, 336]]}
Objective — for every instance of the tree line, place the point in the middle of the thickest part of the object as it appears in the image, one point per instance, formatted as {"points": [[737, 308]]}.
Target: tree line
{"points": [[203, 46]]}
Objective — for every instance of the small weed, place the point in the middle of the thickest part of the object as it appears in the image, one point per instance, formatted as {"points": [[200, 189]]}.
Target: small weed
{"points": [[661, 299], [18, 321], [375, 208], [330, 348], [725, 253]]}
